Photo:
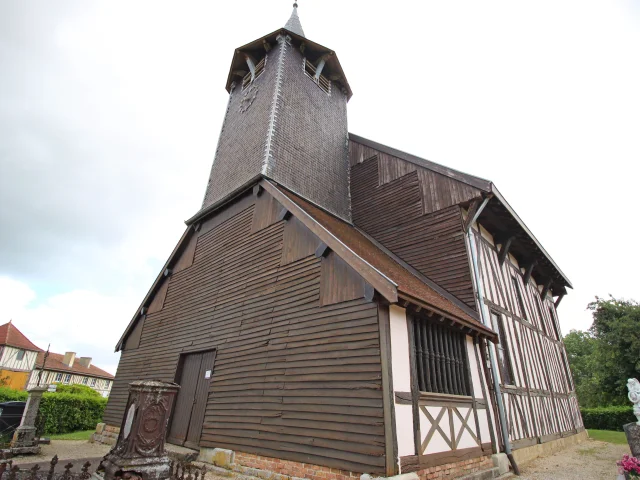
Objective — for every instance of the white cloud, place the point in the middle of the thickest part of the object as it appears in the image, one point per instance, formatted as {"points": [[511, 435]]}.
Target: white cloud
{"points": [[83, 321]]}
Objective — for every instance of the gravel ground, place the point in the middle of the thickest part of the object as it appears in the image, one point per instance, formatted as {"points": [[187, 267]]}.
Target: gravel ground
{"points": [[65, 449], [589, 460]]}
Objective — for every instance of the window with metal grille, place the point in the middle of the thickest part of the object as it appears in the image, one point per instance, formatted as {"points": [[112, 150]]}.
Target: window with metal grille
{"points": [[250, 77], [323, 82], [504, 357], [441, 359]]}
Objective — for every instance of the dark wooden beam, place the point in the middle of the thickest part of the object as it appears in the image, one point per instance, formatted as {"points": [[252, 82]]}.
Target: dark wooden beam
{"points": [[558, 300], [504, 249], [546, 288], [284, 214], [473, 208], [529, 271], [257, 190], [403, 303], [322, 250]]}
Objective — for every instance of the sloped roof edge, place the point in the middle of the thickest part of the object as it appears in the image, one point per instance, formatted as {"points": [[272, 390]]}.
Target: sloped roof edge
{"points": [[11, 336], [472, 180]]}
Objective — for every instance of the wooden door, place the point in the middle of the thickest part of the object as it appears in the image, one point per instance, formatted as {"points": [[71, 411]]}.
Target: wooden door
{"points": [[194, 378]]}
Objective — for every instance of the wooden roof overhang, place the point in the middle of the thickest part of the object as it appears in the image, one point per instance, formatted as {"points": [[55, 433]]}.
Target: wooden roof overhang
{"points": [[313, 51], [498, 217]]}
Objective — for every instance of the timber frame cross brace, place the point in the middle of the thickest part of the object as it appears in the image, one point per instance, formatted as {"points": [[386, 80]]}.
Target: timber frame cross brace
{"points": [[504, 249]]}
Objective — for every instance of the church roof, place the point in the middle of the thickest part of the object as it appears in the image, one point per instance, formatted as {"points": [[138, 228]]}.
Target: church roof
{"points": [[11, 336], [498, 216], [293, 24]]}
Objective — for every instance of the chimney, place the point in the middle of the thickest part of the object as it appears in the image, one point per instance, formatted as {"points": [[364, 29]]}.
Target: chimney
{"points": [[85, 361], [69, 357]]}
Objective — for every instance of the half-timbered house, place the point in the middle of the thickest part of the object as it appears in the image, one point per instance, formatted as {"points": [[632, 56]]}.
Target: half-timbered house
{"points": [[340, 306]]}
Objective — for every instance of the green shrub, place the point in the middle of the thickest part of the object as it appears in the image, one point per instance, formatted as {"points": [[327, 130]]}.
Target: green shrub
{"points": [[65, 412], [607, 418], [8, 394], [76, 390]]}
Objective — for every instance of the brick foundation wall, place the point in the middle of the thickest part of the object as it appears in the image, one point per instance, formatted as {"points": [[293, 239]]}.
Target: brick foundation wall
{"points": [[293, 469], [456, 470]]}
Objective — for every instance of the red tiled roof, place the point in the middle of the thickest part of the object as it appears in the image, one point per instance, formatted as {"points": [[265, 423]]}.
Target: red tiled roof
{"points": [[11, 336], [55, 362]]}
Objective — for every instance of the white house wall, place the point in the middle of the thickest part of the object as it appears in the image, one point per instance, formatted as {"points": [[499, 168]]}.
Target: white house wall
{"points": [[50, 377], [9, 359]]}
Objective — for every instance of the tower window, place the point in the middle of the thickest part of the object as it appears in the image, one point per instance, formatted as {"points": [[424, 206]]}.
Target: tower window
{"points": [[251, 76], [323, 82]]}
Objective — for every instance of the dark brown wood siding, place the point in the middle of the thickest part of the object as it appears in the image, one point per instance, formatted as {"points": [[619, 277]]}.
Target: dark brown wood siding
{"points": [[438, 191], [292, 379], [432, 243]]}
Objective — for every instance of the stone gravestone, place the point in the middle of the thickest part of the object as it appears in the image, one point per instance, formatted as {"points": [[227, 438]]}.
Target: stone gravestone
{"points": [[139, 451], [24, 438], [632, 430]]}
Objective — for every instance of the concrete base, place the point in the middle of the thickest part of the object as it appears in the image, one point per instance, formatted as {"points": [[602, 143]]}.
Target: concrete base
{"points": [[217, 456], [9, 452], [525, 455], [632, 431], [156, 468], [501, 462]]}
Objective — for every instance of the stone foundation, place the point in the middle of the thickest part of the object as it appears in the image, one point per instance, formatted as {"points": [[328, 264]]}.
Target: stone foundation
{"points": [[105, 434], [459, 469], [524, 455]]}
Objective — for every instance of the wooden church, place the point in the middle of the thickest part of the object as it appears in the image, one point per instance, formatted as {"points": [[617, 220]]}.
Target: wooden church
{"points": [[339, 307]]}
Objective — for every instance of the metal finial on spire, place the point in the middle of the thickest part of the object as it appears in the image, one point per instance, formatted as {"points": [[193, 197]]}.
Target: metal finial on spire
{"points": [[294, 25]]}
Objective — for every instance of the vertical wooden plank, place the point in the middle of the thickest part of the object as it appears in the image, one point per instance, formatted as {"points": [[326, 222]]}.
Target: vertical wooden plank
{"points": [[488, 402], [415, 361], [474, 404], [388, 397]]}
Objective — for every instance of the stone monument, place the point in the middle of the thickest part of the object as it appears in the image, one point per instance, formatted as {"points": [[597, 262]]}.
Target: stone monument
{"points": [[139, 450], [24, 438], [632, 430]]}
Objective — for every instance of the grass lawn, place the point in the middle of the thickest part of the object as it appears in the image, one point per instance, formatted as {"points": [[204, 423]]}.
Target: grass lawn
{"points": [[608, 436], [84, 435]]}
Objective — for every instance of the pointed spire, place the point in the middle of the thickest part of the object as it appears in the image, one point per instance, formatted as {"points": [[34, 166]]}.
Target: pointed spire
{"points": [[294, 25]]}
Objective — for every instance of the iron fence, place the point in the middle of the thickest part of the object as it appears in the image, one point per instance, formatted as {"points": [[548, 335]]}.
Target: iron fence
{"points": [[55, 471]]}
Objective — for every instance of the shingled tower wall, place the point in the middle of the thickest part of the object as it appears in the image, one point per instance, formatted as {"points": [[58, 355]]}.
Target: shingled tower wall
{"points": [[284, 126]]}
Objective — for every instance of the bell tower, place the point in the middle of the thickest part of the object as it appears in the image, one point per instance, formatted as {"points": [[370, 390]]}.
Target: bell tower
{"points": [[286, 120]]}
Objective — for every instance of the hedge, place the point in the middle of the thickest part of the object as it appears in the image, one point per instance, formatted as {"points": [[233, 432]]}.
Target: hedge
{"points": [[607, 418], [63, 412]]}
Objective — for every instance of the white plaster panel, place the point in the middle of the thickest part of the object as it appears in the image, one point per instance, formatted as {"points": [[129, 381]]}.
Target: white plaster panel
{"points": [[437, 443], [485, 435], [400, 364], [404, 430], [473, 367]]}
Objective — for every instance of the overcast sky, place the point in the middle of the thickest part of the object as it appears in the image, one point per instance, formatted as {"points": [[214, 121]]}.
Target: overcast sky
{"points": [[110, 112]]}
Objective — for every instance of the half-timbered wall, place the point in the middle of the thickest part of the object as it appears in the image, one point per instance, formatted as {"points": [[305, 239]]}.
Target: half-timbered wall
{"points": [[297, 374], [10, 359], [540, 400], [431, 428], [50, 377], [396, 203]]}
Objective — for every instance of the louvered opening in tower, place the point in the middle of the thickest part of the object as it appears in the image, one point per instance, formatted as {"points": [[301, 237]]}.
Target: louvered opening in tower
{"points": [[251, 77], [323, 82]]}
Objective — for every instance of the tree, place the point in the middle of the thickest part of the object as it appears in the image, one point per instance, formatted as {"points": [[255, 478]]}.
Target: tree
{"points": [[616, 328], [582, 354]]}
